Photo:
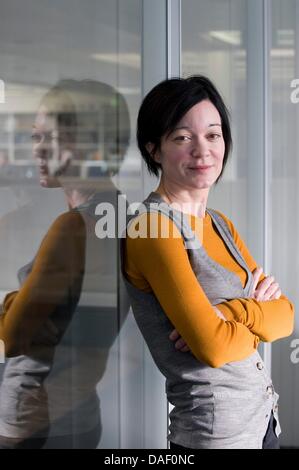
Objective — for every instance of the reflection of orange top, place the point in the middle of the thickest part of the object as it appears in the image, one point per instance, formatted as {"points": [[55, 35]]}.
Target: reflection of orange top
{"points": [[161, 265], [58, 263]]}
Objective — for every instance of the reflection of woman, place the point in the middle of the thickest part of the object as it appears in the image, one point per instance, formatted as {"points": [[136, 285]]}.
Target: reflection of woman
{"points": [[199, 277], [39, 390]]}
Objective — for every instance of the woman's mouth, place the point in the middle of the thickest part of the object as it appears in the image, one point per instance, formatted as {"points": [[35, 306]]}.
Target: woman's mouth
{"points": [[201, 168]]}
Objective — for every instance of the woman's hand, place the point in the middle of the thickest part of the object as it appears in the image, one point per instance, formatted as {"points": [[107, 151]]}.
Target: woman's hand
{"points": [[48, 334], [267, 289], [180, 343]]}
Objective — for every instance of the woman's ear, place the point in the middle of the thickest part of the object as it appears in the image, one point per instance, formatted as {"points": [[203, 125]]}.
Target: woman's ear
{"points": [[150, 147], [154, 154]]}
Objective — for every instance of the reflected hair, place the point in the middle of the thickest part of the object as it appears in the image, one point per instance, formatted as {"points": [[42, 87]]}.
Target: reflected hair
{"points": [[93, 113], [60, 105], [103, 116], [165, 105]]}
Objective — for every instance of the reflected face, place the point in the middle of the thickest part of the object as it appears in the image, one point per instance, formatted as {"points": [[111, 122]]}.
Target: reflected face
{"points": [[192, 155], [52, 148]]}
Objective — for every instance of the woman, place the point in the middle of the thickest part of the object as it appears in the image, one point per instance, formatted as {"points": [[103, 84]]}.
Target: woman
{"points": [[58, 344], [196, 275]]}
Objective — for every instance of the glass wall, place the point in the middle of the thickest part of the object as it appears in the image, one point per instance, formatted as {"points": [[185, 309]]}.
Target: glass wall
{"points": [[284, 70], [72, 77], [215, 43], [250, 50], [72, 86]]}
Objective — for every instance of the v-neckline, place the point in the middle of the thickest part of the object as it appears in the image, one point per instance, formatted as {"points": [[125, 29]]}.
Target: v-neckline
{"points": [[233, 251], [230, 246]]}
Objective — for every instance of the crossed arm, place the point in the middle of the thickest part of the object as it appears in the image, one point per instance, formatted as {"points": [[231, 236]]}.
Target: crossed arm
{"points": [[264, 290], [57, 265], [163, 263]]}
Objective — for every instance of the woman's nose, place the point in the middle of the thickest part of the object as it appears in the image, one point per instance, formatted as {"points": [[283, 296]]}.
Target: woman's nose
{"points": [[42, 146], [41, 150], [201, 148]]}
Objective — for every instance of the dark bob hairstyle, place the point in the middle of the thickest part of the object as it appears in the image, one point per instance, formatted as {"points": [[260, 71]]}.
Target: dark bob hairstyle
{"points": [[166, 104]]}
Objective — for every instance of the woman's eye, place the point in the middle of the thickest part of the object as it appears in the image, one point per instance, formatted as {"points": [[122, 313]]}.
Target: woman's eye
{"points": [[36, 138], [183, 138], [214, 136]]}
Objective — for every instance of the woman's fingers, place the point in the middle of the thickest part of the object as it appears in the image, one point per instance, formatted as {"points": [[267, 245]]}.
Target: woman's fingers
{"points": [[266, 289], [219, 314], [263, 286], [51, 328], [273, 292], [185, 348], [180, 343], [47, 335], [256, 276], [174, 335], [276, 296]]}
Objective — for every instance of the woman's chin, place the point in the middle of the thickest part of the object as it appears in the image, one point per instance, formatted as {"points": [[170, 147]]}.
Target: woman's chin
{"points": [[203, 184], [44, 182], [48, 182]]}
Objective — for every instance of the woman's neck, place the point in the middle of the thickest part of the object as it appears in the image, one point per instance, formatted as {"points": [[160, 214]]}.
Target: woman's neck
{"points": [[76, 198], [190, 202]]}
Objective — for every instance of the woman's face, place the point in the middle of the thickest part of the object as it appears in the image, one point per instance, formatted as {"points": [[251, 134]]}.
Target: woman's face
{"points": [[192, 155], [52, 148]]}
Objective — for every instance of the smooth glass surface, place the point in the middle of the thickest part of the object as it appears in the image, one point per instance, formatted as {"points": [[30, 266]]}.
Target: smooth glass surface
{"points": [[76, 381], [285, 114], [225, 40], [214, 43]]}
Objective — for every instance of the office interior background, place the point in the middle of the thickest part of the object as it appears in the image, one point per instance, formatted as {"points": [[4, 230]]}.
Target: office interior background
{"points": [[250, 50]]}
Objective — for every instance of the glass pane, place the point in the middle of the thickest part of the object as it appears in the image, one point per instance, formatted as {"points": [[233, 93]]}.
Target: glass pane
{"points": [[72, 75], [218, 39], [214, 43], [284, 68]]}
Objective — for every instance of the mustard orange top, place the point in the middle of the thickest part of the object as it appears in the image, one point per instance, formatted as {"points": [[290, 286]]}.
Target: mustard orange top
{"points": [[161, 265], [58, 263]]}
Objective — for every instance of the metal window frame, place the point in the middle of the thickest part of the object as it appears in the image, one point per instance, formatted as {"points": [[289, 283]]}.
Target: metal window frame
{"points": [[174, 38], [161, 58], [259, 138], [161, 49]]}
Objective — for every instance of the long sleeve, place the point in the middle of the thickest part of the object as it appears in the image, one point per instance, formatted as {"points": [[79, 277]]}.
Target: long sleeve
{"points": [[172, 280], [59, 261], [269, 320]]}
